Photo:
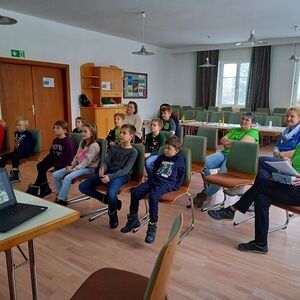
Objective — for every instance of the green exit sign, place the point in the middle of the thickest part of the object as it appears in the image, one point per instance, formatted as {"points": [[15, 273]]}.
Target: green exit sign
{"points": [[17, 53]]}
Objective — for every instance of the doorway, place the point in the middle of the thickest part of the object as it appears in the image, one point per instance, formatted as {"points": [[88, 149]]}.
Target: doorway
{"points": [[40, 91]]}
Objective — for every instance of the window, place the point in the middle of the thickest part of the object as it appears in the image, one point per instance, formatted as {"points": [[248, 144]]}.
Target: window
{"points": [[233, 83], [296, 86]]}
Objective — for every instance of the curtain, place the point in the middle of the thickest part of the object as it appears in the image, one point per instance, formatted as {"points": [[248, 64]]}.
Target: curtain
{"points": [[259, 78], [206, 81]]}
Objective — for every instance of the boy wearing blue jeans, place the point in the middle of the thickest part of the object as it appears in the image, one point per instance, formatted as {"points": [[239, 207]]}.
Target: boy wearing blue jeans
{"points": [[168, 176], [154, 140], [114, 171]]}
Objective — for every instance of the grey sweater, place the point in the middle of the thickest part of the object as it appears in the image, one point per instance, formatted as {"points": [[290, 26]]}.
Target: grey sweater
{"points": [[119, 161], [87, 157]]}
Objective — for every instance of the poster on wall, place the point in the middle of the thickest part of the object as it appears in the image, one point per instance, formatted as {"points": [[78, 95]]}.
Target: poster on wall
{"points": [[135, 85]]}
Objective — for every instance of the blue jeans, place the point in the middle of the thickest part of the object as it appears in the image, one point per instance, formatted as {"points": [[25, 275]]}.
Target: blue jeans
{"points": [[149, 163], [264, 169], [264, 193], [155, 192], [63, 180], [88, 187], [214, 161]]}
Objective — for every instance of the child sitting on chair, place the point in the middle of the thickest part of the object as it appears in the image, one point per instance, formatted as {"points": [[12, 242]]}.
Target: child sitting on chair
{"points": [[60, 155], [79, 121], [168, 176], [113, 137], [23, 148], [85, 162], [168, 122], [154, 140], [114, 171]]}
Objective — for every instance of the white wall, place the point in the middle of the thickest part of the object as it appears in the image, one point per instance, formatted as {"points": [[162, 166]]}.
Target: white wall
{"points": [[49, 41]]}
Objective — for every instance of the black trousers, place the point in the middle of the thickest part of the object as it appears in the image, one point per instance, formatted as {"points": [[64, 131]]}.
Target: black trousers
{"points": [[264, 193], [42, 168], [14, 157]]}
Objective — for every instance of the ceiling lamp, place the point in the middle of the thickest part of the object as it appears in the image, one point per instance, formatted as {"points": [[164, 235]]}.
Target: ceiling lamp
{"points": [[293, 56], [143, 50], [7, 21], [252, 41], [207, 63]]}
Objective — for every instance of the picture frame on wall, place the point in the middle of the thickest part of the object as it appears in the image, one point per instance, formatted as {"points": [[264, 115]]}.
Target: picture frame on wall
{"points": [[135, 85]]}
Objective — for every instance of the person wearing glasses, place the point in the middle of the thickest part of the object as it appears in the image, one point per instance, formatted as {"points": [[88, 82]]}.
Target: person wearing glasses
{"points": [[244, 133]]}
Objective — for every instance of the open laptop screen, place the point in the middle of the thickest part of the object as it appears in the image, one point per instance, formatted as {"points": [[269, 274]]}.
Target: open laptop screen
{"points": [[7, 195]]}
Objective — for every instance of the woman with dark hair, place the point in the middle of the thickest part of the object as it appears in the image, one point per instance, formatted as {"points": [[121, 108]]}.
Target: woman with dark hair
{"points": [[244, 133], [134, 119]]}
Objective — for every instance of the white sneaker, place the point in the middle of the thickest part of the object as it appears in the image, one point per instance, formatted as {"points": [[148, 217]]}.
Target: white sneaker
{"points": [[239, 190]]}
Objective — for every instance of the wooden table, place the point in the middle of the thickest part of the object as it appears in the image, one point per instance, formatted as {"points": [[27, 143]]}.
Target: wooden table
{"points": [[191, 127], [54, 217]]}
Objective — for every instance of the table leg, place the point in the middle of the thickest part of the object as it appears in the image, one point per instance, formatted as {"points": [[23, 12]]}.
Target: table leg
{"points": [[33, 270], [11, 274]]}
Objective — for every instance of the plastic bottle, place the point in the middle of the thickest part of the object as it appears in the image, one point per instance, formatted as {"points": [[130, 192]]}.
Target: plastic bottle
{"points": [[270, 123]]}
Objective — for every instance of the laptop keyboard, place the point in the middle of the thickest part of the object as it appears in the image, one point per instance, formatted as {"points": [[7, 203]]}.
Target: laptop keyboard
{"points": [[11, 211]]}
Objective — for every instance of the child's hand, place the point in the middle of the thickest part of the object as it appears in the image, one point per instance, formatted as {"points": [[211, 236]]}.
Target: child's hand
{"points": [[296, 182], [147, 155], [105, 179]]}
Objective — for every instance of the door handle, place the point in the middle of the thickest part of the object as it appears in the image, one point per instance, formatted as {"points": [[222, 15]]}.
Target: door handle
{"points": [[33, 110]]}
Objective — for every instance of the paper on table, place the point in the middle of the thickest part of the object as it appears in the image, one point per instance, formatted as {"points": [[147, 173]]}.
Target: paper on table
{"points": [[283, 167]]}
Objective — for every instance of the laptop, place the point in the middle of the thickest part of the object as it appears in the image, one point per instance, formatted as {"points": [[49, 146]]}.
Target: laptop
{"points": [[13, 213]]}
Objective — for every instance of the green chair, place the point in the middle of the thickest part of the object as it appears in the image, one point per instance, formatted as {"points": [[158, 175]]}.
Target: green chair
{"points": [[276, 121], [260, 120], [198, 145], [176, 109], [187, 107], [199, 108], [212, 138], [188, 114], [37, 137], [135, 179], [213, 108], [235, 118], [226, 115], [282, 117], [279, 110], [101, 285], [201, 116], [166, 134], [180, 133], [241, 166], [6, 141], [263, 110], [245, 109], [77, 138], [227, 108], [216, 117]]}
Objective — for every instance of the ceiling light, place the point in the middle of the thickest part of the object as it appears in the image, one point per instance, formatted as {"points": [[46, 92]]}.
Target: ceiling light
{"points": [[7, 21], [293, 56], [143, 50], [252, 41], [207, 63]]}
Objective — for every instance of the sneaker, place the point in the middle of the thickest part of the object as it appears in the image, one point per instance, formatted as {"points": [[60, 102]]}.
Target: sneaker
{"points": [[61, 202], [113, 219], [132, 223], [199, 199], [14, 175], [222, 214], [237, 191], [151, 233], [45, 190], [33, 189], [253, 247]]}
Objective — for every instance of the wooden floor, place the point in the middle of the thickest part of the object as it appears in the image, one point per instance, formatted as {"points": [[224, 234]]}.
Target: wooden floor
{"points": [[207, 264]]}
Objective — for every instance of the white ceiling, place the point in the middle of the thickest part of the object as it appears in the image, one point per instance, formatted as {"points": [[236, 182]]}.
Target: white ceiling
{"points": [[171, 23]]}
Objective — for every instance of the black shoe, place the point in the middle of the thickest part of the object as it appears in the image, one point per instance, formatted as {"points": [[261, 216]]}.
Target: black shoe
{"points": [[14, 175], [113, 219], [132, 223], [119, 204], [151, 233], [253, 247], [222, 214], [45, 190], [33, 189], [61, 202]]}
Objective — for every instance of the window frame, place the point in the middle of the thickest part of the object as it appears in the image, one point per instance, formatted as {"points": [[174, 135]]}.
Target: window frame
{"points": [[296, 85], [237, 81]]}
